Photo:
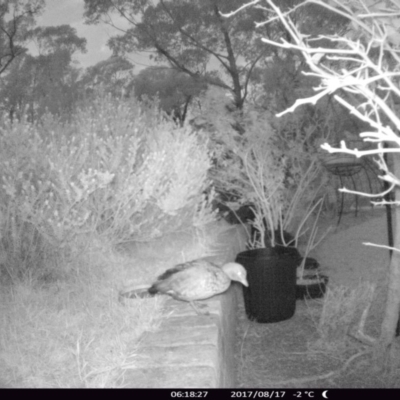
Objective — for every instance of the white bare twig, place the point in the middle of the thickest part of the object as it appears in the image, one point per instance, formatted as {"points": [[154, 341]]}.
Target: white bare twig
{"points": [[381, 194], [383, 246], [364, 78]]}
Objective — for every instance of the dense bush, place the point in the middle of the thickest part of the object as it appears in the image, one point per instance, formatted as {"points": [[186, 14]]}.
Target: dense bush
{"points": [[119, 170]]}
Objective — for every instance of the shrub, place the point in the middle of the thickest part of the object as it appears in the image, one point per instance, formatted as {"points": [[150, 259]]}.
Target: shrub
{"points": [[260, 162], [118, 169]]}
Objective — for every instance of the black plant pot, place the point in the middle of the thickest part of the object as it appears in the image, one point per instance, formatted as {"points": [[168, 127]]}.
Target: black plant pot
{"points": [[314, 287], [289, 251], [271, 295]]}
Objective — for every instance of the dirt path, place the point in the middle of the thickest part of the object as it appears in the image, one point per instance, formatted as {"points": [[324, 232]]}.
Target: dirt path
{"points": [[290, 354]]}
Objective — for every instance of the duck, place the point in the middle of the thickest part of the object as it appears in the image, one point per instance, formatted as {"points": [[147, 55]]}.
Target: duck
{"points": [[195, 280]]}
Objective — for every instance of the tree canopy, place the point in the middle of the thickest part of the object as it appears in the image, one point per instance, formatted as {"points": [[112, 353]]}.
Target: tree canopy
{"points": [[175, 90], [49, 39], [46, 82], [17, 17], [191, 36], [115, 75], [196, 38]]}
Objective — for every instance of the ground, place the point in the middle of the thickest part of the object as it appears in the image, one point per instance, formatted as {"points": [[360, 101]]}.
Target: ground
{"points": [[304, 352]]}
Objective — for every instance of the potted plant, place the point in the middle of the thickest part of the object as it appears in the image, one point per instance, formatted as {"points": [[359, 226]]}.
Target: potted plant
{"points": [[271, 295], [293, 217], [310, 283], [253, 169], [273, 258]]}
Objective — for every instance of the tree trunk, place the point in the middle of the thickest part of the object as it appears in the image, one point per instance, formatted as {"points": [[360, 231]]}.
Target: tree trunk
{"points": [[392, 309], [233, 70]]}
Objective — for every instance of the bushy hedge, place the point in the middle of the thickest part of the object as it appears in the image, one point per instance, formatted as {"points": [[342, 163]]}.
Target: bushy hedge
{"points": [[119, 169]]}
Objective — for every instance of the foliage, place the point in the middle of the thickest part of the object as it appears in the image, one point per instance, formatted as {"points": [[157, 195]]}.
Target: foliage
{"points": [[36, 85], [114, 75], [62, 37], [117, 170], [276, 174], [198, 39], [190, 36], [175, 90], [46, 82], [17, 17]]}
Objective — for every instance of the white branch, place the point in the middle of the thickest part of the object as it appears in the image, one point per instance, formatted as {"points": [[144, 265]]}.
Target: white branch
{"points": [[383, 246], [344, 190], [356, 152], [244, 6]]}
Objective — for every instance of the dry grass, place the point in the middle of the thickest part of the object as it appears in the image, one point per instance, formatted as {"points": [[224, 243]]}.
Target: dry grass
{"points": [[342, 308], [71, 331], [64, 327], [306, 351]]}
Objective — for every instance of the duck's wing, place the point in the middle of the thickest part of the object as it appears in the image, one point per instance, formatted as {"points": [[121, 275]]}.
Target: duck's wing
{"points": [[169, 272], [162, 283], [196, 282], [184, 266]]}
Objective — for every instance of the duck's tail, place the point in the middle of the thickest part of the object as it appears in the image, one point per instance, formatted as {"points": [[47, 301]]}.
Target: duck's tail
{"points": [[153, 289], [138, 291]]}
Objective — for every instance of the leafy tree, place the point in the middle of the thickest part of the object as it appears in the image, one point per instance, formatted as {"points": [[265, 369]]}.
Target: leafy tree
{"points": [[47, 82], [174, 89], [191, 36], [50, 39], [195, 36], [114, 75], [16, 19]]}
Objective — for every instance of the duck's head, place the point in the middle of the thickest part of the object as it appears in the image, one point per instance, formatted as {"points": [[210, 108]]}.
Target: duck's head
{"points": [[236, 272]]}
